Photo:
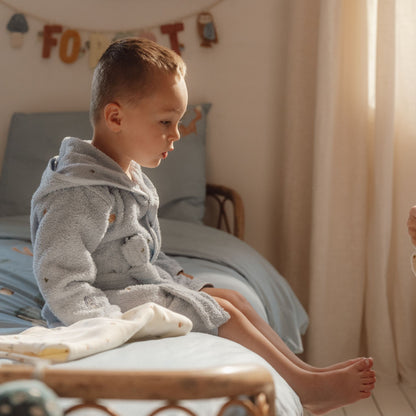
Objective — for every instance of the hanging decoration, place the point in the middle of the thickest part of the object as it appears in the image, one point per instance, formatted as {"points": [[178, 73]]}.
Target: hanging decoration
{"points": [[67, 55], [48, 40], [172, 31], [206, 29], [17, 27], [70, 47], [98, 43]]}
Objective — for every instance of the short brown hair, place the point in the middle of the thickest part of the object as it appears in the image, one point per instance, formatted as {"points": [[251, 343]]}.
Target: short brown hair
{"points": [[126, 69]]}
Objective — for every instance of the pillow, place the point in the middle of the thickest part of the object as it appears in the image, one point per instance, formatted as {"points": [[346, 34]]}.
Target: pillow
{"points": [[35, 137]]}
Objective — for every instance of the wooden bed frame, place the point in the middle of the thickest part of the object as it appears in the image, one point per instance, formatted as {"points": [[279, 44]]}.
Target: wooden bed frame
{"points": [[249, 386], [225, 197]]}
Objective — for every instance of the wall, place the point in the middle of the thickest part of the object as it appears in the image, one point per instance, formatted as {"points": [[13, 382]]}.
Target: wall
{"points": [[243, 76]]}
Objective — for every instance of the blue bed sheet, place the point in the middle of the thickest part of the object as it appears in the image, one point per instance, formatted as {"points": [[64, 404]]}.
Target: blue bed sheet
{"points": [[204, 251]]}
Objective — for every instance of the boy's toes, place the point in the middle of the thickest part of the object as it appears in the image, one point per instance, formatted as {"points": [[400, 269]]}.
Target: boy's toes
{"points": [[365, 394], [367, 388], [368, 374], [370, 362], [369, 380], [364, 364]]}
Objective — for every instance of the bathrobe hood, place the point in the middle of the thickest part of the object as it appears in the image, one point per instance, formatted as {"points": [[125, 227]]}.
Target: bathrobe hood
{"points": [[79, 163]]}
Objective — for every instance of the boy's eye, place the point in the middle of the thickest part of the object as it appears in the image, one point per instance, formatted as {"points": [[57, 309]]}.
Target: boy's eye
{"points": [[165, 123]]}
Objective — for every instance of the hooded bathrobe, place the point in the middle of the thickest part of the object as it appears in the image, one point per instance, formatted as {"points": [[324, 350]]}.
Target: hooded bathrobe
{"points": [[97, 244]]}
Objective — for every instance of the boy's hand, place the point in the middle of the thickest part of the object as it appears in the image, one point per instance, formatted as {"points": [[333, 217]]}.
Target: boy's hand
{"points": [[411, 225]]}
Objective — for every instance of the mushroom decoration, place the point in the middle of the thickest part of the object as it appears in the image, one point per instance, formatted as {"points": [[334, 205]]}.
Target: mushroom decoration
{"points": [[17, 27]]}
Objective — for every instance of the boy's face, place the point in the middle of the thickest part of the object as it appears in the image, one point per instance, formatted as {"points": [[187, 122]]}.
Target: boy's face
{"points": [[151, 126]]}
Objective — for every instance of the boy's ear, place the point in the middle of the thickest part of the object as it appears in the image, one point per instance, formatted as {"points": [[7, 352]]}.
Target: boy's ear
{"points": [[112, 117]]}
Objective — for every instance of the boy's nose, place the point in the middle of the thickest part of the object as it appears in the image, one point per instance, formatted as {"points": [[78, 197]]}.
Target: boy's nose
{"points": [[176, 134]]}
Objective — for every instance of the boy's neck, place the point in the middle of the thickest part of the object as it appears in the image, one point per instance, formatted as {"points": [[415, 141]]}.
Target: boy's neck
{"points": [[105, 145]]}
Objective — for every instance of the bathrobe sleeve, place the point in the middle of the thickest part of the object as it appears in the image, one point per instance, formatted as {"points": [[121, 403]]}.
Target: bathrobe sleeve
{"points": [[70, 225], [168, 264]]}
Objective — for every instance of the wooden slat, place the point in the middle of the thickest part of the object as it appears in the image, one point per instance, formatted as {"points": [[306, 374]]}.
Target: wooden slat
{"points": [[391, 401], [150, 385], [222, 194]]}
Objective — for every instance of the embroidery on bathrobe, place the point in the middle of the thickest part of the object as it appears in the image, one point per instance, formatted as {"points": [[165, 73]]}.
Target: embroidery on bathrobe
{"points": [[26, 251]]}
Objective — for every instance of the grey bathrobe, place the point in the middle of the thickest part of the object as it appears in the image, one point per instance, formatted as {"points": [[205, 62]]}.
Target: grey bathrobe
{"points": [[96, 241]]}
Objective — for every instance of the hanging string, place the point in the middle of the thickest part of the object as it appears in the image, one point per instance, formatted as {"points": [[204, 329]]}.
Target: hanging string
{"points": [[82, 29]]}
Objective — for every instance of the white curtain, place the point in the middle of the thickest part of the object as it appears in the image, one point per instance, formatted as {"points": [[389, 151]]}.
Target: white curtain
{"points": [[349, 163]]}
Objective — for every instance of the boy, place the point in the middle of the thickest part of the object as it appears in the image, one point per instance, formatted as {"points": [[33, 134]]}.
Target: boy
{"points": [[96, 233]]}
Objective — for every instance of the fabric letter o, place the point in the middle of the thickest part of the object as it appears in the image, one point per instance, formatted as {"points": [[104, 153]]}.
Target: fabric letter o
{"points": [[63, 47]]}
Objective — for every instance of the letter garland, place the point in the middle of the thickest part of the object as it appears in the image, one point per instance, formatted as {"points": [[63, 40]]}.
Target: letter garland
{"points": [[69, 42]]}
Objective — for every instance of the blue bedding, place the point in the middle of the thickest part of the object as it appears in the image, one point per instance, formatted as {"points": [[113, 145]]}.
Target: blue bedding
{"points": [[201, 250], [20, 300]]}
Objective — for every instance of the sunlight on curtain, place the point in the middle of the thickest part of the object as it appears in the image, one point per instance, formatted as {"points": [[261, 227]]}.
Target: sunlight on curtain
{"points": [[403, 283], [372, 6], [345, 246]]}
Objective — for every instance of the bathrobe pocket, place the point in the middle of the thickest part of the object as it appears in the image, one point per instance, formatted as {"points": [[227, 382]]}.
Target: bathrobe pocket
{"points": [[136, 251]]}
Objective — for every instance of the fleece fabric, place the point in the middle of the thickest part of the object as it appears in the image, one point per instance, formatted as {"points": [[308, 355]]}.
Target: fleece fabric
{"points": [[94, 335], [97, 244]]}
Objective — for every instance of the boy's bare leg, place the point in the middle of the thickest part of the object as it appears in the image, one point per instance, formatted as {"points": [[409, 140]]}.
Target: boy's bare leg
{"points": [[244, 306], [318, 392]]}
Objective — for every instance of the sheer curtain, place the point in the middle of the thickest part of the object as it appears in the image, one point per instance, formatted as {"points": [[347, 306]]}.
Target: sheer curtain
{"points": [[349, 163]]}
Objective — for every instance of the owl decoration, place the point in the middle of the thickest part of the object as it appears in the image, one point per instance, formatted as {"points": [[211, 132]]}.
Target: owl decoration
{"points": [[206, 29]]}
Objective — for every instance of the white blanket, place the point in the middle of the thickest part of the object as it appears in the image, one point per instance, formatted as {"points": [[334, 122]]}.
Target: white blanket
{"points": [[94, 335]]}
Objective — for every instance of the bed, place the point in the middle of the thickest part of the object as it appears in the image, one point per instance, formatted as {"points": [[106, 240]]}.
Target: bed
{"points": [[210, 375]]}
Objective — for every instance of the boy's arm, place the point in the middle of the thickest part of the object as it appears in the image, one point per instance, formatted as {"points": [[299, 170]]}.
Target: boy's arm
{"points": [[70, 227]]}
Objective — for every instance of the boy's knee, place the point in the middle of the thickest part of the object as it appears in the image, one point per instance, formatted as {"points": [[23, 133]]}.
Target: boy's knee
{"points": [[227, 306], [237, 299], [231, 298], [235, 313]]}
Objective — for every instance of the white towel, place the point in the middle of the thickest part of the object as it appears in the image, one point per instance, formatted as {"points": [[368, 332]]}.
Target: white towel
{"points": [[90, 336]]}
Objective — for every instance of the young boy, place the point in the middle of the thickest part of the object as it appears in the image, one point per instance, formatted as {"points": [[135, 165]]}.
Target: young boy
{"points": [[96, 234]]}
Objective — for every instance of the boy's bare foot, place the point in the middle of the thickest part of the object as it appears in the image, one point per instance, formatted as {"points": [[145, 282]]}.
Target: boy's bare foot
{"points": [[337, 366], [326, 391]]}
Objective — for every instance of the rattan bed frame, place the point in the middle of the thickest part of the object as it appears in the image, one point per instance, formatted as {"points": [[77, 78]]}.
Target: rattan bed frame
{"points": [[249, 386]]}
